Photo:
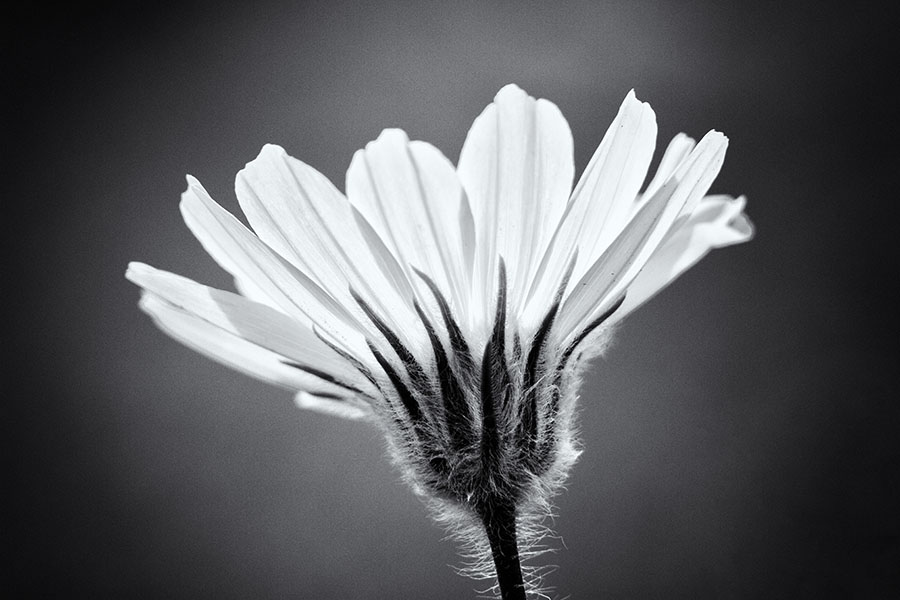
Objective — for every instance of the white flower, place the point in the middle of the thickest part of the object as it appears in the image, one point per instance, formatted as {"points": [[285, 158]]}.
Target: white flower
{"points": [[452, 306]]}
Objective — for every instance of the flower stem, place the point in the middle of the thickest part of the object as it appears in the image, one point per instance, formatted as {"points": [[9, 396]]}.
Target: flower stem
{"points": [[500, 525]]}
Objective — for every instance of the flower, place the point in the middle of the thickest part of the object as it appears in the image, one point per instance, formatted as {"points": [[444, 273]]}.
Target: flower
{"points": [[454, 307]]}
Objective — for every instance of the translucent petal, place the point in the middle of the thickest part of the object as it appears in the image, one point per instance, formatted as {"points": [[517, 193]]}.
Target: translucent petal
{"points": [[678, 150], [717, 222], [247, 258], [411, 196], [517, 167], [256, 323], [602, 201], [611, 274], [295, 210], [229, 349]]}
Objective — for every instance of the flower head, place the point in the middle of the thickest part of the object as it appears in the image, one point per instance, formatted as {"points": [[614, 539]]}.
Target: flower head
{"points": [[454, 307]]}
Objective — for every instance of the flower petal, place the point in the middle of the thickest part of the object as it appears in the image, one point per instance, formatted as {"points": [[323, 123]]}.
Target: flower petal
{"points": [[717, 222], [516, 166], [411, 196], [347, 408], [676, 152], [228, 349], [385, 259], [608, 278], [252, 322], [299, 213], [602, 201], [247, 258]]}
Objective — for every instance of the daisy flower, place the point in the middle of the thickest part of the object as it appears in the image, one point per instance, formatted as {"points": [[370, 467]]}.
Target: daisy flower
{"points": [[454, 307]]}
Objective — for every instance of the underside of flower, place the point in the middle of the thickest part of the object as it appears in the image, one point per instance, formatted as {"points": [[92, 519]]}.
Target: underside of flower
{"points": [[453, 306], [484, 431]]}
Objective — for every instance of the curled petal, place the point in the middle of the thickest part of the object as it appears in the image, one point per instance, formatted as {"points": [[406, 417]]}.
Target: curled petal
{"points": [[718, 221], [609, 277]]}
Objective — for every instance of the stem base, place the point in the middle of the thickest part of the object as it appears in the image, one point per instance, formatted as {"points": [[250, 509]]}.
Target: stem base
{"points": [[500, 525]]}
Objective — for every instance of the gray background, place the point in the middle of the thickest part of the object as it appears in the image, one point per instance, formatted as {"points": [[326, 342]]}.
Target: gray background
{"points": [[739, 436]]}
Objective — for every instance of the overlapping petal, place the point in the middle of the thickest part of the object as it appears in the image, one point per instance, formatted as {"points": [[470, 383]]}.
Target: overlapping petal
{"points": [[411, 196], [601, 202], [335, 285], [717, 222], [277, 340], [678, 150], [454, 306], [609, 277], [295, 210], [247, 258]]}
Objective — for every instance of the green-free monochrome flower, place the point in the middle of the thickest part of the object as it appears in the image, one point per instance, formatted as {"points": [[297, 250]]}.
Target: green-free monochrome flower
{"points": [[455, 308]]}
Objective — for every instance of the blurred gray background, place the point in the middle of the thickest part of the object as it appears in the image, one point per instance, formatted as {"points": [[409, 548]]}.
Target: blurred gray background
{"points": [[739, 437]]}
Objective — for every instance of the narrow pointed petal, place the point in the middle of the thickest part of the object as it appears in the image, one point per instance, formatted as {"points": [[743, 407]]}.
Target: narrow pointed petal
{"points": [[517, 168], [255, 323], [602, 201], [411, 196], [343, 407], [608, 278], [296, 211], [247, 258], [717, 222], [613, 177]]}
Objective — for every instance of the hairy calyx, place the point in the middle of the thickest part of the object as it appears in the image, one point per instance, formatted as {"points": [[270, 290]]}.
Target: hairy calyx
{"points": [[484, 435]]}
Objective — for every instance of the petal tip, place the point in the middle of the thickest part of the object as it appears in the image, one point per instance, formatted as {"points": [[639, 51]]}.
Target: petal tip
{"points": [[269, 150], [137, 271], [392, 135], [510, 90], [631, 97], [641, 108], [717, 136], [744, 227]]}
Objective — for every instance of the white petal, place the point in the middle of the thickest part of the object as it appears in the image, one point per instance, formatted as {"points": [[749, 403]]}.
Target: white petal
{"points": [[385, 259], [298, 212], [717, 222], [256, 323], [246, 257], [411, 196], [346, 408], [609, 277], [230, 350], [252, 291], [613, 177], [676, 153], [602, 201], [516, 166]]}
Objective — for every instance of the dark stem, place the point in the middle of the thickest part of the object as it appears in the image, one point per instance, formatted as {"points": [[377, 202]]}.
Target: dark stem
{"points": [[500, 524]]}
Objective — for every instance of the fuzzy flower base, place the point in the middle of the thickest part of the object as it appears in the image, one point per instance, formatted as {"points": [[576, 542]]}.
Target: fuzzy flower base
{"points": [[455, 307]]}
